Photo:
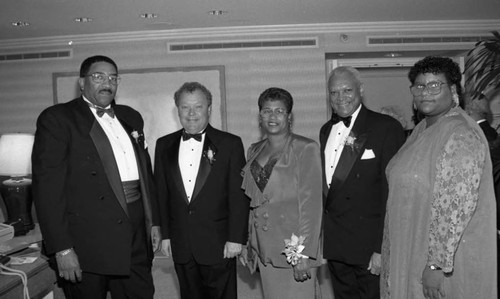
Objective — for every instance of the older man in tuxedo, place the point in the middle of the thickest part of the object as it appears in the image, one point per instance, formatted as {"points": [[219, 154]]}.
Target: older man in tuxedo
{"points": [[356, 145], [93, 190], [203, 210]]}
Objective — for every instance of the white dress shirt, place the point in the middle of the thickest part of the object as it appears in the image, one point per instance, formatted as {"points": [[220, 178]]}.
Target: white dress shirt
{"points": [[121, 144], [335, 145], [190, 152]]}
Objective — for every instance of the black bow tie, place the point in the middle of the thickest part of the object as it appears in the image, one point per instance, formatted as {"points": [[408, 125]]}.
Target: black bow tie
{"points": [[187, 136], [345, 120], [100, 111]]}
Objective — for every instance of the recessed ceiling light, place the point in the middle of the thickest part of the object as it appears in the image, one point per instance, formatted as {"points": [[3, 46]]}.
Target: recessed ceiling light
{"points": [[392, 55], [83, 20], [217, 12], [149, 15], [20, 24]]}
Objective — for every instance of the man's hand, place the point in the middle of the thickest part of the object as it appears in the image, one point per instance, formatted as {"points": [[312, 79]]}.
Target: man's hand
{"points": [[155, 238], [243, 257], [302, 271], [69, 267], [432, 283], [165, 247], [231, 249], [375, 264]]}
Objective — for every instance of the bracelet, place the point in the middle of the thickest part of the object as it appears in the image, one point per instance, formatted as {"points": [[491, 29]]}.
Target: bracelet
{"points": [[64, 252]]}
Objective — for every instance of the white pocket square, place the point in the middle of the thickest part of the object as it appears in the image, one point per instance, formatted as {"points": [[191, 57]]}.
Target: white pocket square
{"points": [[368, 154]]}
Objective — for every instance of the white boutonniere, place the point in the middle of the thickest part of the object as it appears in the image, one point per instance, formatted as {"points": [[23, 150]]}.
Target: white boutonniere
{"points": [[210, 155], [350, 141], [135, 134], [293, 249], [139, 138]]}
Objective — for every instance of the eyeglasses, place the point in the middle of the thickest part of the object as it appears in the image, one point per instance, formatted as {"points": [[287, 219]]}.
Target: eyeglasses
{"points": [[433, 87], [101, 77], [267, 112], [346, 92]]}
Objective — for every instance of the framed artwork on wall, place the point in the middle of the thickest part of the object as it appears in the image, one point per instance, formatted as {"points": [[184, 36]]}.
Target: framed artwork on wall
{"points": [[151, 92]]}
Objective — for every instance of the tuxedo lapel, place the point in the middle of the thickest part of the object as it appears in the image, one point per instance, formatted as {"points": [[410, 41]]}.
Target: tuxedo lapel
{"points": [[108, 161], [349, 155], [205, 166], [323, 138]]}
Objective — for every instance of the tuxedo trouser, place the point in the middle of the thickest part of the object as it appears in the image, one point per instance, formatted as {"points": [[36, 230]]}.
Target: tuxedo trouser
{"points": [[207, 281], [139, 284], [353, 281]]}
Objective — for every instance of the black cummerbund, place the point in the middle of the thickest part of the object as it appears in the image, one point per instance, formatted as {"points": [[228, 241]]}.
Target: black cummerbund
{"points": [[132, 190]]}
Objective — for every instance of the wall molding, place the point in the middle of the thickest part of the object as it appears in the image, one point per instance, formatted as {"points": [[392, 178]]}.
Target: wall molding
{"points": [[458, 26]]}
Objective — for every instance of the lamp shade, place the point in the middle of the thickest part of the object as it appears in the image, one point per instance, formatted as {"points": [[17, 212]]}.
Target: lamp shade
{"points": [[15, 154]]}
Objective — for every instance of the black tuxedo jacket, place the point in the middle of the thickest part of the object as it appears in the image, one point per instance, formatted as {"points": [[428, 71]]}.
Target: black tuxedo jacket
{"points": [[354, 205], [218, 210], [77, 188]]}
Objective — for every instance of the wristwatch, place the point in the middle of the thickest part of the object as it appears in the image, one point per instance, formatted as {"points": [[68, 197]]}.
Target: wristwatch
{"points": [[434, 267]]}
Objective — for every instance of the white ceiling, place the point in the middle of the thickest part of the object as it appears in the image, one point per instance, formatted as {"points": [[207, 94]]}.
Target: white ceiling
{"points": [[56, 17]]}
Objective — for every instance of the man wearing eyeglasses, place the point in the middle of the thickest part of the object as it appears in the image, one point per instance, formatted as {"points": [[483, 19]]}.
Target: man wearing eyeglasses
{"points": [[93, 190], [356, 145]]}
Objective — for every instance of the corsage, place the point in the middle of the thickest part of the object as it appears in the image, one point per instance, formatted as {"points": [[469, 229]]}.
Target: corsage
{"points": [[139, 138], [293, 249], [351, 141], [210, 155]]}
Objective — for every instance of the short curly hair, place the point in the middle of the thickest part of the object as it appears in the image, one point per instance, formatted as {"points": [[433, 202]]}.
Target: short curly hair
{"points": [[438, 65], [276, 94]]}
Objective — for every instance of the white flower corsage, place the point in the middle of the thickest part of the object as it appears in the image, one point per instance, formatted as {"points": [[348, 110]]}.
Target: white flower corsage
{"points": [[350, 141], [293, 249], [135, 134], [210, 155], [139, 138]]}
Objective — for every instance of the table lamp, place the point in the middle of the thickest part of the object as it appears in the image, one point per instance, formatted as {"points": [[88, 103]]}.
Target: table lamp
{"points": [[15, 162]]}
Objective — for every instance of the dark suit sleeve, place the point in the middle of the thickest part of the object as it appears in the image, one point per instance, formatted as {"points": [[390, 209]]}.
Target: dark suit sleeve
{"points": [[394, 139], [238, 201], [50, 168], [155, 209], [161, 189]]}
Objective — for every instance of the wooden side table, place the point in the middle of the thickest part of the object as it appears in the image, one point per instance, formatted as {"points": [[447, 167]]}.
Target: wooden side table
{"points": [[41, 278]]}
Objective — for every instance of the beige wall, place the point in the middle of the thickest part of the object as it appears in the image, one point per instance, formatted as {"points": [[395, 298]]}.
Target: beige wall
{"points": [[26, 87]]}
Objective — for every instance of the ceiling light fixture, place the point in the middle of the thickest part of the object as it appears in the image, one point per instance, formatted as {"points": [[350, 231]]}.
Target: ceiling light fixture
{"points": [[217, 12], [149, 15], [20, 24], [83, 20], [393, 55]]}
